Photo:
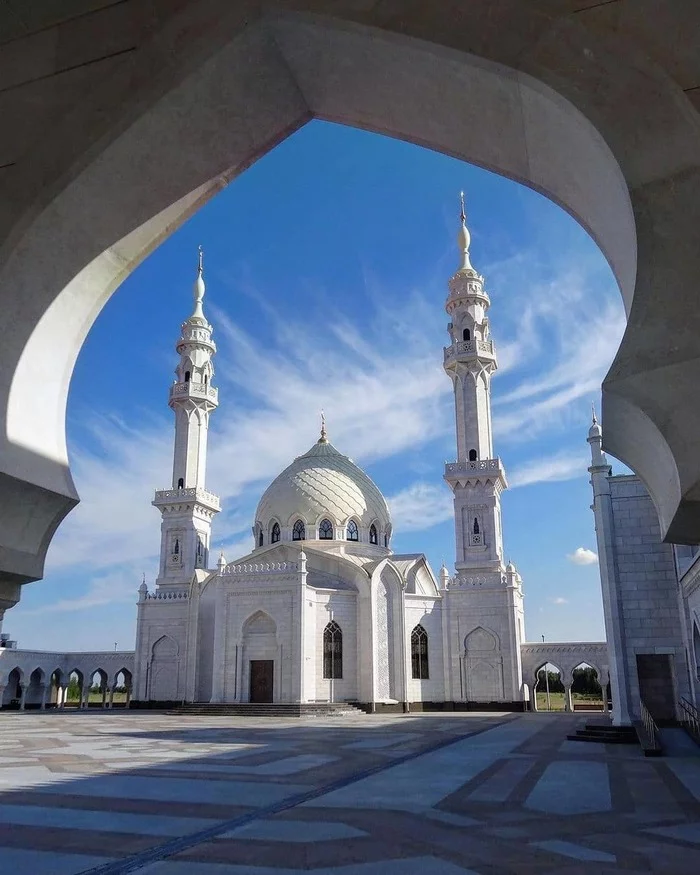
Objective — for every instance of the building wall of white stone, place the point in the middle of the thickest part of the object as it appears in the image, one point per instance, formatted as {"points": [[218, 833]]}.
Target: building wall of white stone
{"points": [[427, 612], [340, 607], [640, 580]]}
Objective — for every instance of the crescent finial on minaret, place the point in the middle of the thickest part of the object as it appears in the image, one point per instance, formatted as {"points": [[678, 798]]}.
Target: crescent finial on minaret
{"points": [[595, 418], [463, 237], [199, 287]]}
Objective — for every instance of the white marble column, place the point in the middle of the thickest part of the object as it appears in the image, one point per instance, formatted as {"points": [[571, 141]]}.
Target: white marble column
{"points": [[568, 703]]}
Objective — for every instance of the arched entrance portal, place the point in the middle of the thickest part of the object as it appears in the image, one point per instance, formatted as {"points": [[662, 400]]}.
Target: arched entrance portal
{"points": [[236, 98], [261, 664]]}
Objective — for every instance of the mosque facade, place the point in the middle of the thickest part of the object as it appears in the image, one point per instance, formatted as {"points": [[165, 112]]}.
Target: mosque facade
{"points": [[322, 609]]}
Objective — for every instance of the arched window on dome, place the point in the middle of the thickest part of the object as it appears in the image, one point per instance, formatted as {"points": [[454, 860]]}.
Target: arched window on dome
{"points": [[325, 530], [373, 534], [275, 534], [261, 539], [352, 533], [332, 651], [386, 539], [419, 654], [299, 531]]}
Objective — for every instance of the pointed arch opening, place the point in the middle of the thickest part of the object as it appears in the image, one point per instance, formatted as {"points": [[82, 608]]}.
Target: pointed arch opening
{"points": [[275, 533], [586, 689], [373, 538], [299, 531], [325, 530], [332, 651], [548, 690], [419, 654], [352, 532]]}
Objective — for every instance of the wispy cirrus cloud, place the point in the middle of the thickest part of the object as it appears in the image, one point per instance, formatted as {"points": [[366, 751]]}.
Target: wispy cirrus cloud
{"points": [[547, 469], [420, 506], [379, 379]]}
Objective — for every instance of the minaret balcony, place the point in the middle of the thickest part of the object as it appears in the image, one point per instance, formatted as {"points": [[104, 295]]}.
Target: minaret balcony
{"points": [[197, 391], [191, 495], [470, 472], [469, 349]]}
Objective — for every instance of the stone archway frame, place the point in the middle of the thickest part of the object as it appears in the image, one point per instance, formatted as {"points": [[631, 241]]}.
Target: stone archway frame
{"points": [[78, 234]]}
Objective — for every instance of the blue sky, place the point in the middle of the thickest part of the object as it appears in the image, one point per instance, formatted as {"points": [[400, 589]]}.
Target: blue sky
{"points": [[326, 266]]}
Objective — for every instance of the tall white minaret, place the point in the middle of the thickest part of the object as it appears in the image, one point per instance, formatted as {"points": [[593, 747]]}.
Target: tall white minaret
{"points": [[477, 479], [187, 508]]}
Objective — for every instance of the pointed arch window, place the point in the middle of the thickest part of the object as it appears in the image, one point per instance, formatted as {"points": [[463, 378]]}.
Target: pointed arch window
{"points": [[386, 541], [466, 334], [187, 376], [261, 538], [180, 483], [419, 654], [352, 532], [176, 549], [472, 455], [475, 527], [332, 651], [373, 534], [299, 531], [325, 530], [275, 534]]}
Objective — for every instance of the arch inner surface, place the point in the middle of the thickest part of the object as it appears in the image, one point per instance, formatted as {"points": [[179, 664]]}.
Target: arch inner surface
{"points": [[231, 95]]}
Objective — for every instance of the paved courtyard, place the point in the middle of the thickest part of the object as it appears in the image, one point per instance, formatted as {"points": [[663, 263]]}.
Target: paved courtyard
{"points": [[395, 795]]}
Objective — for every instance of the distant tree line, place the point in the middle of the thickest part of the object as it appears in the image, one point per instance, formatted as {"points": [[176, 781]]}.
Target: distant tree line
{"points": [[584, 682]]}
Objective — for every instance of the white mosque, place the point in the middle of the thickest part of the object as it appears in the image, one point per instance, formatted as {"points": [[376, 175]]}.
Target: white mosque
{"points": [[321, 609]]}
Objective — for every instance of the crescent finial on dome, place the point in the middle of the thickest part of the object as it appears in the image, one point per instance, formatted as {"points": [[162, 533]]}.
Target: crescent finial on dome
{"points": [[324, 437]]}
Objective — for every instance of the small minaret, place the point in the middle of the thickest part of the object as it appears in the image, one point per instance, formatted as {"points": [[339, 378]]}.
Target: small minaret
{"points": [[187, 507], [477, 479], [618, 665]]}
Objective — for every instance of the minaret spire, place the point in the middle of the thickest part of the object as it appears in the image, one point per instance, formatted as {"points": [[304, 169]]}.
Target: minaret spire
{"points": [[324, 437], [199, 288], [463, 237]]}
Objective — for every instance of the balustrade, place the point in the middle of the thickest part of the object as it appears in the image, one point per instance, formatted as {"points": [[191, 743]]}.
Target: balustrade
{"points": [[479, 465]]}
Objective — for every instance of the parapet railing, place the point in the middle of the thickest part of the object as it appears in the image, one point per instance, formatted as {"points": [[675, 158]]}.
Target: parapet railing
{"points": [[690, 718], [650, 728]]}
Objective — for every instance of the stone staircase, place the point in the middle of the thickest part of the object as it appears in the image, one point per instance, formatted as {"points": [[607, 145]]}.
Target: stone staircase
{"points": [[606, 733], [272, 709]]}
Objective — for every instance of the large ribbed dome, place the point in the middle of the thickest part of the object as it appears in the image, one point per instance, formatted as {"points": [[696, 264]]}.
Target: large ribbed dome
{"points": [[323, 482]]}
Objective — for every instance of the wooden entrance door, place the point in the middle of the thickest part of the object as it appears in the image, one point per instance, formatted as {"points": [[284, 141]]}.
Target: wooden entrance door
{"points": [[261, 677]]}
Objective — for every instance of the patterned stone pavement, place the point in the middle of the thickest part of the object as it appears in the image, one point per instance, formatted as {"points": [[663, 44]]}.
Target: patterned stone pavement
{"points": [[112, 793]]}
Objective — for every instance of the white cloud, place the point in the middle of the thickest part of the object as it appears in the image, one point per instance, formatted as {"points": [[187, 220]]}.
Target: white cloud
{"points": [[562, 466], [582, 556], [560, 601], [119, 586], [420, 506]]}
